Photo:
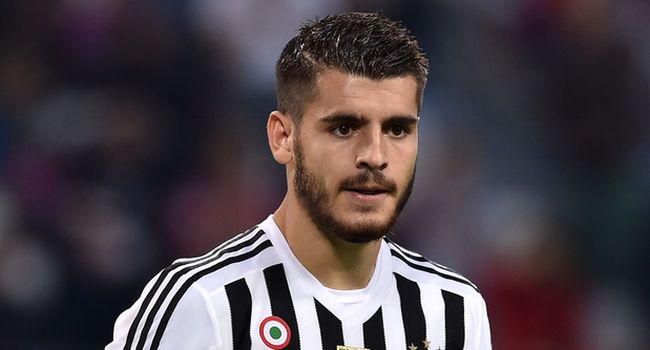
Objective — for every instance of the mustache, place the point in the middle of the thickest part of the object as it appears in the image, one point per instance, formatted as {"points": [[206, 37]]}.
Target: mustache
{"points": [[363, 178]]}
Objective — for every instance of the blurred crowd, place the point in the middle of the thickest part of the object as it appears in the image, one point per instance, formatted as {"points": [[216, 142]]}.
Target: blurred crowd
{"points": [[133, 133]]}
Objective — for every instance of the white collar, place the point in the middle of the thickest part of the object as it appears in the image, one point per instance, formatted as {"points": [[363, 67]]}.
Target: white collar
{"points": [[373, 294]]}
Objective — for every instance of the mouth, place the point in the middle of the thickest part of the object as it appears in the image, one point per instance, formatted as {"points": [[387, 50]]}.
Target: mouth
{"points": [[367, 191], [367, 195]]}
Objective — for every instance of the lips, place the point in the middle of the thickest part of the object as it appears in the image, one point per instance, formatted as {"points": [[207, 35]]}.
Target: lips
{"points": [[367, 196], [368, 191]]}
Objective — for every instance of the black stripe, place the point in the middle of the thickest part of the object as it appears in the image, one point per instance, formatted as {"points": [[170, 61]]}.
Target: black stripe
{"points": [[161, 278], [431, 270], [281, 302], [417, 257], [454, 321], [331, 328], [179, 294], [239, 298], [179, 274], [409, 254], [373, 332], [412, 313]]}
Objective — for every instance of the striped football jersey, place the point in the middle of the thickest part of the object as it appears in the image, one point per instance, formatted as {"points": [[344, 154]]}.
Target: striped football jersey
{"points": [[252, 293]]}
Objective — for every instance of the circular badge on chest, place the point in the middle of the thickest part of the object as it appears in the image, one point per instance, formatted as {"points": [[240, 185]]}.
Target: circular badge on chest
{"points": [[275, 332]]}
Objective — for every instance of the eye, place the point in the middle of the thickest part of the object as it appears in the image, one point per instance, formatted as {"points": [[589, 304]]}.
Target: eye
{"points": [[398, 131], [343, 130]]}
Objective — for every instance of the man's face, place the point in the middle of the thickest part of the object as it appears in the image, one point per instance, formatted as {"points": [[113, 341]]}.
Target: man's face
{"points": [[355, 154]]}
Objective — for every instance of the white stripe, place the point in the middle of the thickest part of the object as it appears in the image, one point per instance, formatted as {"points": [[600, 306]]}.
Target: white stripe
{"points": [[399, 247], [195, 268], [410, 252], [353, 335], [182, 263], [393, 324], [442, 271], [434, 308], [221, 305], [261, 305], [306, 317]]}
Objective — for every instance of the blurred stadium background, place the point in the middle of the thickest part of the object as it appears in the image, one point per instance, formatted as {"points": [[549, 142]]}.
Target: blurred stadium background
{"points": [[132, 133]]}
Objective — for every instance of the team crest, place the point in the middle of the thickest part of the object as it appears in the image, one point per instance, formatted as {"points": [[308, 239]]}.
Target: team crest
{"points": [[275, 332]]}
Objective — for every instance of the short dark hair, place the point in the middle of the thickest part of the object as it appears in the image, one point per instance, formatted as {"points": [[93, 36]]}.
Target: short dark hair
{"points": [[363, 44]]}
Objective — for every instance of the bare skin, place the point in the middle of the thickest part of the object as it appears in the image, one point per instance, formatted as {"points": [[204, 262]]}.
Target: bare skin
{"points": [[335, 263], [354, 124]]}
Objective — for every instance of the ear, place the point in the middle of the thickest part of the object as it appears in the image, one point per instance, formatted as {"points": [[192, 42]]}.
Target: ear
{"points": [[279, 130]]}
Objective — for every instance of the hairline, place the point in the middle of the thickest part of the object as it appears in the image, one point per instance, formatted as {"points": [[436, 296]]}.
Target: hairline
{"points": [[307, 97]]}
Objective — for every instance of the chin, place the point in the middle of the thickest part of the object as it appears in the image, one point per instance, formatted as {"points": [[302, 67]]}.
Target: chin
{"points": [[362, 230], [360, 237]]}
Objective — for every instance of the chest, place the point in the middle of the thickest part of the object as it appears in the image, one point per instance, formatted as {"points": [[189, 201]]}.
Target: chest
{"points": [[270, 311]]}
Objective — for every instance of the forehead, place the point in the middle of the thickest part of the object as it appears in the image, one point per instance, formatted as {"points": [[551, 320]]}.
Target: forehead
{"points": [[337, 91]]}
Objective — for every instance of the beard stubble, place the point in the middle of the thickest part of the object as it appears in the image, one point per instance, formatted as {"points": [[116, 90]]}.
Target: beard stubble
{"points": [[313, 197]]}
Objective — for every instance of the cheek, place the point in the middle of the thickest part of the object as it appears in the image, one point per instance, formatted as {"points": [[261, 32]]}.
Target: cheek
{"points": [[331, 172], [327, 166], [404, 157]]}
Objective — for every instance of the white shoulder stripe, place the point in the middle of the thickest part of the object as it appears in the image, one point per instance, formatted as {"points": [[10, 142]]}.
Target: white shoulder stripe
{"points": [[244, 251], [419, 257], [170, 275], [418, 262]]}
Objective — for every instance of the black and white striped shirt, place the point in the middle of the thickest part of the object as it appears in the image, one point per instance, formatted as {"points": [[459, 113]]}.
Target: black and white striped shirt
{"points": [[252, 293]]}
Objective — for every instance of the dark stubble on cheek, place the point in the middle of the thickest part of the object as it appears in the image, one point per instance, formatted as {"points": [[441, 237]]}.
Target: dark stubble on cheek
{"points": [[313, 197]]}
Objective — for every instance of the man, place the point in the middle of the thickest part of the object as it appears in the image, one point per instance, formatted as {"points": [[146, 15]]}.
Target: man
{"points": [[319, 273]]}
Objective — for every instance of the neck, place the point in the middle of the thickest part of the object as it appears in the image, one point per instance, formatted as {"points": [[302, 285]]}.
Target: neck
{"points": [[337, 264]]}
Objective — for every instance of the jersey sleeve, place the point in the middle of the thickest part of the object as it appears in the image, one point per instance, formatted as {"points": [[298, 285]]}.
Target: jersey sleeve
{"points": [[478, 338], [192, 324]]}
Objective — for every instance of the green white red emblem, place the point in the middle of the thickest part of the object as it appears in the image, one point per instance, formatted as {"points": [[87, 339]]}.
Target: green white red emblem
{"points": [[275, 333]]}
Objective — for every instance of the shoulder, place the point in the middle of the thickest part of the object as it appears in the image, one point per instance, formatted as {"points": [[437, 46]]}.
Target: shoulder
{"points": [[180, 294], [462, 299], [244, 253], [416, 267]]}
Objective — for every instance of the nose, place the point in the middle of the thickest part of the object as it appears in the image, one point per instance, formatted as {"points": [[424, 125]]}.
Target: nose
{"points": [[371, 151]]}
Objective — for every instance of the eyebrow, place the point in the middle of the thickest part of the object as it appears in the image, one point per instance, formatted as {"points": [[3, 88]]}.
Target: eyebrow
{"points": [[340, 118]]}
